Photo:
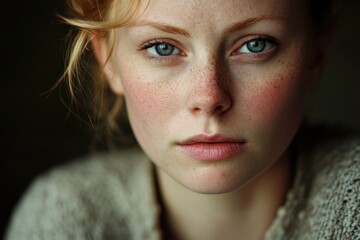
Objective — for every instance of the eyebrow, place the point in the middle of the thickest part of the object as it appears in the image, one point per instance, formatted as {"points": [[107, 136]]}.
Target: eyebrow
{"points": [[243, 24], [176, 30], [163, 27]]}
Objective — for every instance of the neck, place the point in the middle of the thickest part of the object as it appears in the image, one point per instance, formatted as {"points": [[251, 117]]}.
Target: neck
{"points": [[247, 211]]}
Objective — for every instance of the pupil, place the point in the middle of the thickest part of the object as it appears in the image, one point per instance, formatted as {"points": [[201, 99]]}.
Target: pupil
{"points": [[256, 46], [164, 49]]}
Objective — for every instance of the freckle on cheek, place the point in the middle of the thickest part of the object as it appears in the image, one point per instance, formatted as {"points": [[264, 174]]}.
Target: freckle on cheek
{"points": [[145, 102], [265, 99]]}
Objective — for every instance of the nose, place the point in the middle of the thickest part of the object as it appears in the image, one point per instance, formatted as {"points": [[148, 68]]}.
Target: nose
{"points": [[211, 90]]}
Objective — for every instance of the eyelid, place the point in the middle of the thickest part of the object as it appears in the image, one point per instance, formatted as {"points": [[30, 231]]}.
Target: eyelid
{"points": [[151, 43], [273, 41]]}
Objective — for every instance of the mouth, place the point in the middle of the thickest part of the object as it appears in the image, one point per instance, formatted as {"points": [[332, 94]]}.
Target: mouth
{"points": [[212, 148]]}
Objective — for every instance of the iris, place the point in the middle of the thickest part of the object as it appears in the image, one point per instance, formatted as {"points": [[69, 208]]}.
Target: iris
{"points": [[256, 46], [164, 49]]}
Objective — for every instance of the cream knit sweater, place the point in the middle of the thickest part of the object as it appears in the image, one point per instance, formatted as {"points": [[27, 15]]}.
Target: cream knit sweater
{"points": [[112, 196]]}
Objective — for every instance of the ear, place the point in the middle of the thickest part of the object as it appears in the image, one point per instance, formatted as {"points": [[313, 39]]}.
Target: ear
{"points": [[103, 56], [319, 58]]}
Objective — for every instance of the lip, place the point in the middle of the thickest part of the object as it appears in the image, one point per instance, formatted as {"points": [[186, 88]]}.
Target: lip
{"points": [[212, 148]]}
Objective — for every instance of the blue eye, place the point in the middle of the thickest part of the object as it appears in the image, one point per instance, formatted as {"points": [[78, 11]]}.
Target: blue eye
{"points": [[256, 46], [162, 49]]}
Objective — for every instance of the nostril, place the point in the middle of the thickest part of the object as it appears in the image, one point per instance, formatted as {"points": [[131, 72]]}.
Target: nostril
{"points": [[219, 108], [223, 106], [215, 109], [212, 101], [196, 109]]}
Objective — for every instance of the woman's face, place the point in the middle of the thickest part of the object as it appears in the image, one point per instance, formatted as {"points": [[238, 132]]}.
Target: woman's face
{"points": [[214, 89]]}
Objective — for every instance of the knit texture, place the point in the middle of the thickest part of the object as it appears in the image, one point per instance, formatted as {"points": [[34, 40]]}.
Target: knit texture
{"points": [[104, 196], [113, 196], [324, 202]]}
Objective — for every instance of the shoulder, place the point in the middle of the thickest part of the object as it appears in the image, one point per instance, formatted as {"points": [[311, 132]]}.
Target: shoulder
{"points": [[333, 177], [332, 153], [89, 198]]}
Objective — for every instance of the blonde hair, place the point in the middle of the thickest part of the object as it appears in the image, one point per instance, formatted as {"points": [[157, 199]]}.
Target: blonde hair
{"points": [[83, 76]]}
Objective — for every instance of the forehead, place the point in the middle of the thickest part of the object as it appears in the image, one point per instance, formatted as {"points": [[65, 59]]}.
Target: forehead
{"points": [[198, 12]]}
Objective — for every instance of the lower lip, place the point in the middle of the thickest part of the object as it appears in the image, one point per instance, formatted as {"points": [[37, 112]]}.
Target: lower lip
{"points": [[213, 151]]}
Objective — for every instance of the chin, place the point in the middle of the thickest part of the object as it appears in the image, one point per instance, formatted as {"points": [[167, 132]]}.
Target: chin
{"points": [[216, 182]]}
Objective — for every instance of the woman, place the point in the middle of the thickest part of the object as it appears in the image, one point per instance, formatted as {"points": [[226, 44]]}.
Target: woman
{"points": [[214, 93]]}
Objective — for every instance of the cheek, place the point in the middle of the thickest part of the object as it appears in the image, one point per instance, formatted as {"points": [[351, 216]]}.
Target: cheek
{"points": [[276, 94], [277, 103], [141, 101], [148, 107]]}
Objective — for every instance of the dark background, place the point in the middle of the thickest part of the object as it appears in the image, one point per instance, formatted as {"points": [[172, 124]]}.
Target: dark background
{"points": [[38, 132]]}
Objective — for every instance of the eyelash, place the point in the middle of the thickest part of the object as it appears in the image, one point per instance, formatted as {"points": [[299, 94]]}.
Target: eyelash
{"points": [[269, 42], [178, 52], [157, 42]]}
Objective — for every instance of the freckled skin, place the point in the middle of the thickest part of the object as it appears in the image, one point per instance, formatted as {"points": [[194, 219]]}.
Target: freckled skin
{"points": [[209, 91]]}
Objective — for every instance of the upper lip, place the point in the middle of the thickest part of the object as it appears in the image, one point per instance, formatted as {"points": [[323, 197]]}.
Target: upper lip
{"points": [[216, 138]]}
